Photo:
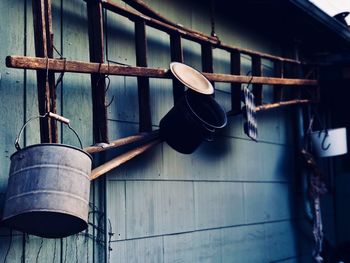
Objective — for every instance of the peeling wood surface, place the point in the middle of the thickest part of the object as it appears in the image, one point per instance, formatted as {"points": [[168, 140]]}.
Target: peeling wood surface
{"points": [[143, 89], [98, 81], [42, 38]]}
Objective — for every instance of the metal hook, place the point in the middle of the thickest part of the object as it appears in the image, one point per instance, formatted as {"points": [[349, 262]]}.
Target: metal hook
{"points": [[325, 148], [108, 82]]}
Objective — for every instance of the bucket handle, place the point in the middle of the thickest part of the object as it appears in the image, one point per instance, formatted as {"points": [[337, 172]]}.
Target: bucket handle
{"points": [[46, 115]]}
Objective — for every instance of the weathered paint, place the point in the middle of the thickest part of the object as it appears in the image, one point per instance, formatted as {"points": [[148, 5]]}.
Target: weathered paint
{"points": [[19, 102], [219, 204], [230, 201]]}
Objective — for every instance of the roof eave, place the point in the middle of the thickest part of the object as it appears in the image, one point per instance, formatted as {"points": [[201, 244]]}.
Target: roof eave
{"points": [[340, 29]]}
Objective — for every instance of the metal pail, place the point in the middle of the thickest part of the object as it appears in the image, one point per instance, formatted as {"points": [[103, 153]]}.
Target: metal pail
{"points": [[329, 142], [48, 190]]}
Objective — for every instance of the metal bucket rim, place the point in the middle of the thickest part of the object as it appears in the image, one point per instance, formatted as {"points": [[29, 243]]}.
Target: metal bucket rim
{"points": [[59, 211], [51, 145], [205, 122], [328, 130], [82, 221]]}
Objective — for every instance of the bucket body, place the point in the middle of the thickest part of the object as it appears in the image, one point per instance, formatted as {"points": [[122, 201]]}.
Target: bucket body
{"points": [[48, 190], [327, 143], [194, 118]]}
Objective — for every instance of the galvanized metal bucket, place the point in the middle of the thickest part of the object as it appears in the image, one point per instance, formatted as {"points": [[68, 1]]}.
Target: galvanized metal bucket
{"points": [[48, 189]]}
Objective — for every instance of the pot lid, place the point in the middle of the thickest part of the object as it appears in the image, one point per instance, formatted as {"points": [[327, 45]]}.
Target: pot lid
{"points": [[191, 78]]}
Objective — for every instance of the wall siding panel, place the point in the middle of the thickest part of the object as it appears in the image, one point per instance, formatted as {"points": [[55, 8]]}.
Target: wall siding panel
{"points": [[12, 83], [147, 250], [230, 201], [266, 202], [237, 244], [156, 208], [213, 200]]}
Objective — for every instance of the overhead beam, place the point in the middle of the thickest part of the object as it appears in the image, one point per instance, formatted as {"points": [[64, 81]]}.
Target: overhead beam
{"points": [[185, 32]]}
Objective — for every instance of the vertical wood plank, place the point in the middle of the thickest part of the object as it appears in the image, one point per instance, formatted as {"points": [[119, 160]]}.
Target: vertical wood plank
{"points": [[257, 71], [298, 72], [142, 82], [207, 58], [51, 75], [12, 88], [278, 73], [41, 50], [176, 55], [98, 83], [235, 58], [77, 106]]}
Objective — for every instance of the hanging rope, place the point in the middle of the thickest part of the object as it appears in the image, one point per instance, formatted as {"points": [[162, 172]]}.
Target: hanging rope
{"points": [[317, 187], [212, 19]]}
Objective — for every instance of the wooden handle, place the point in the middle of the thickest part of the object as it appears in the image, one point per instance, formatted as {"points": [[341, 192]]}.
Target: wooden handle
{"points": [[58, 117], [123, 158]]}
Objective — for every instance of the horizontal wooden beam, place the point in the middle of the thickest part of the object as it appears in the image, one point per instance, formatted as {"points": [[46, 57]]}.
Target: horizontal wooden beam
{"points": [[282, 104], [60, 65], [185, 32], [216, 77]]}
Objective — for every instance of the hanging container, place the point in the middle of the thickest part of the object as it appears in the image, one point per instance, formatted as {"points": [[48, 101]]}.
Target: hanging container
{"points": [[329, 142], [48, 189], [196, 116]]}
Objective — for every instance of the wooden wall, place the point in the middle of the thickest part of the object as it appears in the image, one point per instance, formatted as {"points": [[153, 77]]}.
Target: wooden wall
{"points": [[230, 201], [19, 102]]}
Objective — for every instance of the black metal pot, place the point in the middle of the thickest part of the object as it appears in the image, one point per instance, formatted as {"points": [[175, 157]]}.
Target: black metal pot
{"points": [[193, 119]]}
